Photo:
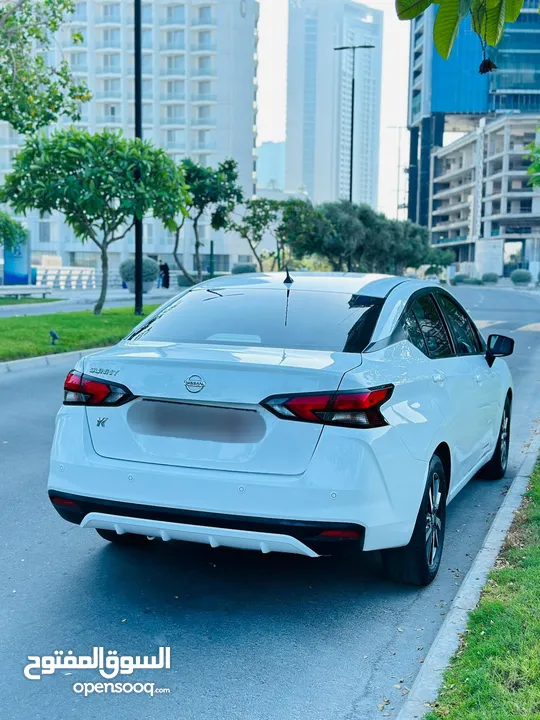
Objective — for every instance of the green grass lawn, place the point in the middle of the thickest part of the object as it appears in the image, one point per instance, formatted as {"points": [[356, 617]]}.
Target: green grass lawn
{"points": [[496, 673], [23, 337], [26, 301]]}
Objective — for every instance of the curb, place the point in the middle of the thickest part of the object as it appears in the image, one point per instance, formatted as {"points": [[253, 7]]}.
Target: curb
{"points": [[426, 686], [44, 360]]}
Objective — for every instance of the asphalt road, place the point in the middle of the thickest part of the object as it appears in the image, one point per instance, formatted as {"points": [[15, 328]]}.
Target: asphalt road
{"points": [[253, 637]]}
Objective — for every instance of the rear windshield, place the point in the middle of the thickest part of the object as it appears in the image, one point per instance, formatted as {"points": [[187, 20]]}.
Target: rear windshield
{"points": [[266, 317]]}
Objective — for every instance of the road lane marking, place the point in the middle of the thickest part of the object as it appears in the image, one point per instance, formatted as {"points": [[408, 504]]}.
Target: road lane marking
{"points": [[483, 324], [533, 327]]}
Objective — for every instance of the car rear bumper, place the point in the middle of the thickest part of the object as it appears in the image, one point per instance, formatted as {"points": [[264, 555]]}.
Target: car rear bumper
{"points": [[248, 533]]}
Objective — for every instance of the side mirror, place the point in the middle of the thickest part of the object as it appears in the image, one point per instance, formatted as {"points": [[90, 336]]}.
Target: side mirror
{"points": [[498, 346]]}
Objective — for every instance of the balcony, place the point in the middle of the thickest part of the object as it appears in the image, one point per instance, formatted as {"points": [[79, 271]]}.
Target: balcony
{"points": [[173, 97], [173, 72], [173, 20], [76, 69], [206, 146], [11, 141], [447, 209], [68, 43], [108, 120], [175, 146], [108, 70], [203, 98], [202, 122], [173, 46], [204, 47], [451, 225], [109, 44], [203, 22], [177, 120], [454, 172], [203, 72], [108, 95], [108, 19]]}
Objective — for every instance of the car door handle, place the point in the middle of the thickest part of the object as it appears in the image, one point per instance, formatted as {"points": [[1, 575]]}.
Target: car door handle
{"points": [[438, 377]]}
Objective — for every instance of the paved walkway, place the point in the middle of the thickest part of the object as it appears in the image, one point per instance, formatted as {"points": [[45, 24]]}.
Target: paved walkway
{"points": [[73, 300]]}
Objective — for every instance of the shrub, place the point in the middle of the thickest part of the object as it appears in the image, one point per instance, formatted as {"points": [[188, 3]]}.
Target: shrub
{"points": [[459, 278], [184, 282], [150, 270], [521, 277], [472, 281], [241, 268], [490, 277]]}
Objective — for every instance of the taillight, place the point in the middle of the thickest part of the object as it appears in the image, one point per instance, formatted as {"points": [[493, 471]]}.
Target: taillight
{"points": [[80, 389], [359, 408]]}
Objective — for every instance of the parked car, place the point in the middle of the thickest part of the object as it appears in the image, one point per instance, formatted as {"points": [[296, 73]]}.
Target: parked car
{"points": [[299, 414], [433, 278]]}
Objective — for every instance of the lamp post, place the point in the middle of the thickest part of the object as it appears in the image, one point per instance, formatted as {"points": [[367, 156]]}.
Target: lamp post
{"points": [[354, 48], [138, 134]]}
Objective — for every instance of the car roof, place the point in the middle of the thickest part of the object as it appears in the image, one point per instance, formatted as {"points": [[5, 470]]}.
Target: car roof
{"points": [[372, 284]]}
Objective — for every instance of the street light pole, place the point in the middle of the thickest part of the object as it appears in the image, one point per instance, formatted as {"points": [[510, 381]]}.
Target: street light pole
{"points": [[138, 134], [354, 48]]}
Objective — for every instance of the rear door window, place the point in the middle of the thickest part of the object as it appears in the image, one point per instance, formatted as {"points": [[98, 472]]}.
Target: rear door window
{"points": [[266, 317], [432, 326], [413, 332], [466, 340]]}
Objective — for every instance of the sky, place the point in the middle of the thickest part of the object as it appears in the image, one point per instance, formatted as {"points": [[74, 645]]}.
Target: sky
{"points": [[273, 90]]}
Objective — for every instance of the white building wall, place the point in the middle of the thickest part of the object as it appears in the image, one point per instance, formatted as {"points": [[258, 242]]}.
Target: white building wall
{"points": [[199, 100], [319, 99]]}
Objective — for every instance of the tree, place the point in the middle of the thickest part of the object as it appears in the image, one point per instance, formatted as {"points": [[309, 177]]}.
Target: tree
{"points": [[260, 216], [100, 182], [488, 18], [33, 93], [409, 245], [304, 229], [344, 245], [534, 167], [213, 192], [12, 233], [438, 259]]}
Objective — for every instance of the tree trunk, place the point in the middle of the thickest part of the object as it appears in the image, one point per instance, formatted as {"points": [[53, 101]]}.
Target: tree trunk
{"points": [[104, 279], [181, 266], [255, 253], [198, 244]]}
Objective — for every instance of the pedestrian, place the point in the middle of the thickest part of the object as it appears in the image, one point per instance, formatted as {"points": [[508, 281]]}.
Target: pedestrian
{"points": [[166, 276], [160, 276]]}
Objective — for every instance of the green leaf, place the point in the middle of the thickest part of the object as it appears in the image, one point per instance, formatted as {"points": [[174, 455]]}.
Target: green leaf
{"points": [[409, 9], [494, 26], [513, 9], [446, 27]]}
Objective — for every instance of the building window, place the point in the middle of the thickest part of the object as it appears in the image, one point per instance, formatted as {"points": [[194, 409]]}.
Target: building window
{"points": [[175, 14], [111, 11], [221, 263], [146, 14], [245, 259], [44, 232]]}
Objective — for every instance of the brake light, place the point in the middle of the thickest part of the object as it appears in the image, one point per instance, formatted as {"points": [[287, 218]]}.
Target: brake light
{"points": [[80, 389], [360, 409]]}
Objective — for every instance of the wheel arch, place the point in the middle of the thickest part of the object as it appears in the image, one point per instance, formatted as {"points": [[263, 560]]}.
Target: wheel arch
{"points": [[443, 453]]}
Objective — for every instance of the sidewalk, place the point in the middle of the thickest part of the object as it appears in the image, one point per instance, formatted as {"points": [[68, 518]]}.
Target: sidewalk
{"points": [[74, 300]]}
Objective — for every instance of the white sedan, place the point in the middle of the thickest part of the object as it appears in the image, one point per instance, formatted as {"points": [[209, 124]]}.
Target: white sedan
{"points": [[301, 414]]}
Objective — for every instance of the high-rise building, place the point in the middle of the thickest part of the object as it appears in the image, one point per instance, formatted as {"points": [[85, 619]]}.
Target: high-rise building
{"points": [[319, 99], [199, 101], [271, 165], [450, 95], [482, 204]]}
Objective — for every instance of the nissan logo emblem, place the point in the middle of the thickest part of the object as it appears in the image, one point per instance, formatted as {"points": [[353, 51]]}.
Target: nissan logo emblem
{"points": [[194, 383]]}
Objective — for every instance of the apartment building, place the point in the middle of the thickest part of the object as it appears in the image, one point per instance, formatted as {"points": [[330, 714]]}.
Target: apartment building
{"points": [[482, 204], [199, 101]]}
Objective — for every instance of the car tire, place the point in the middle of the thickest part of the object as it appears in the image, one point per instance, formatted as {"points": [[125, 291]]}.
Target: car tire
{"points": [[495, 469], [124, 539], [418, 562]]}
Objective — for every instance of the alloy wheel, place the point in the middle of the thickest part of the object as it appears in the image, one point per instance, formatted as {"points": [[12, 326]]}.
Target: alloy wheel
{"points": [[433, 520]]}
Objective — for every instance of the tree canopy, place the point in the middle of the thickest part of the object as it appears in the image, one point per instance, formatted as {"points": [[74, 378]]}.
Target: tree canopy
{"points": [[12, 232], [488, 18], [213, 192], [352, 237], [34, 93], [100, 182], [260, 216]]}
